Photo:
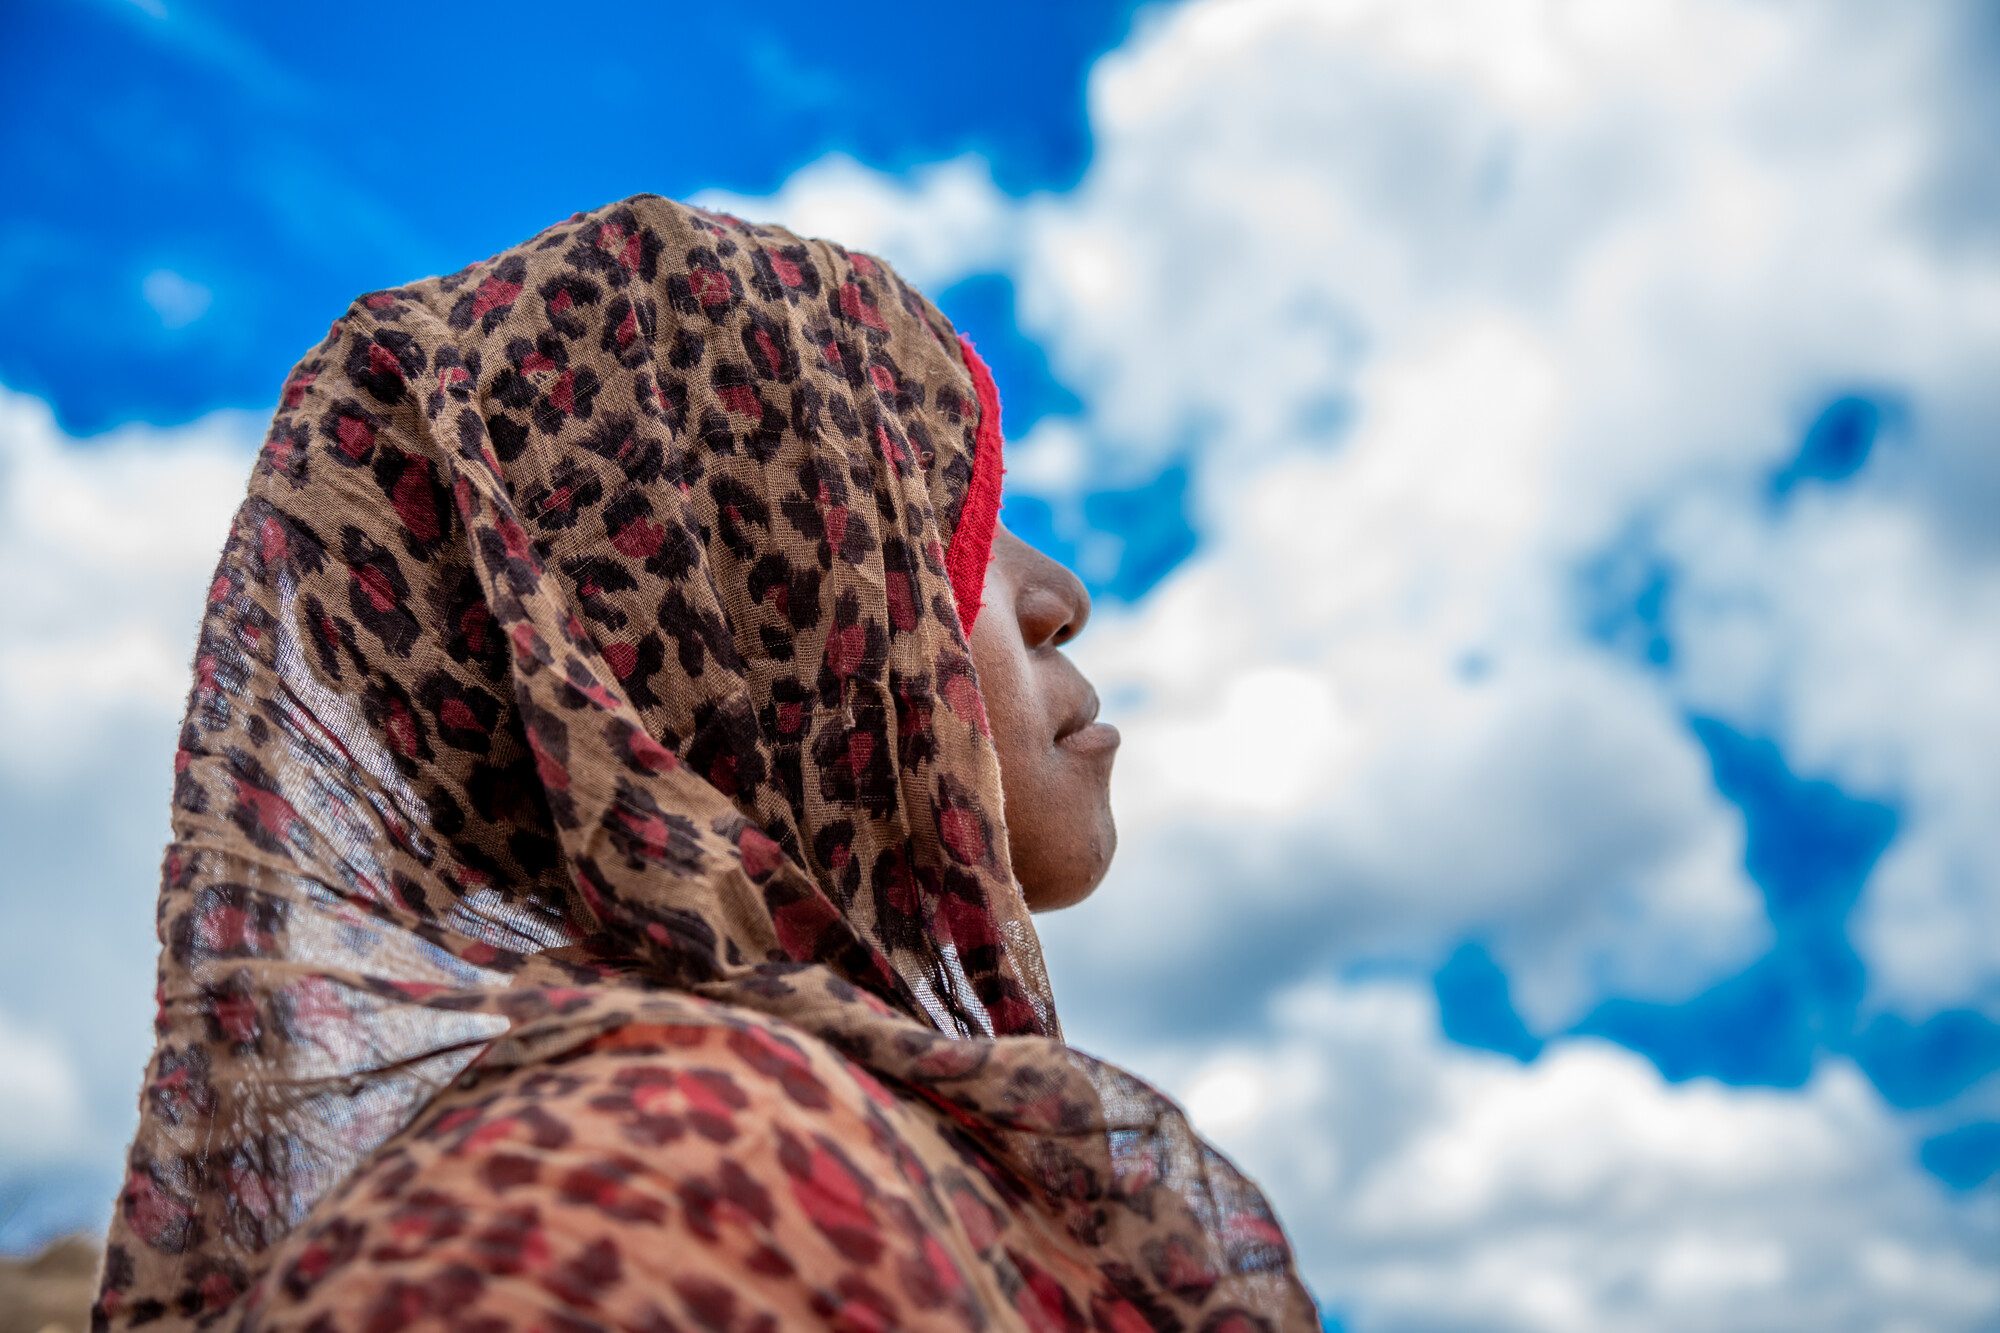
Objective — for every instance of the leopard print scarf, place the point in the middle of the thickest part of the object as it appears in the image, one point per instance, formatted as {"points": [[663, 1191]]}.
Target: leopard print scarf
{"points": [[590, 651]]}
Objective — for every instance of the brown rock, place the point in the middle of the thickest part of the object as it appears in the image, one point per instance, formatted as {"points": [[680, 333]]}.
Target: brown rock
{"points": [[50, 1291]]}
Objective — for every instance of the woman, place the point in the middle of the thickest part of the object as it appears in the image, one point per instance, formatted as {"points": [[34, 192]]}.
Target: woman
{"points": [[590, 903]]}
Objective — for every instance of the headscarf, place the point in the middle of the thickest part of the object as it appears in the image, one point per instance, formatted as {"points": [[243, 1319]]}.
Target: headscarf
{"points": [[593, 638]]}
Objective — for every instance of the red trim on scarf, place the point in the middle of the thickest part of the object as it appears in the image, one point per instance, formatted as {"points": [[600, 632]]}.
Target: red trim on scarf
{"points": [[972, 544]]}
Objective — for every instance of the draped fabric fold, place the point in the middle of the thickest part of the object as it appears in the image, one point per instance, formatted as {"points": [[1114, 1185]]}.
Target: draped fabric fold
{"points": [[589, 656]]}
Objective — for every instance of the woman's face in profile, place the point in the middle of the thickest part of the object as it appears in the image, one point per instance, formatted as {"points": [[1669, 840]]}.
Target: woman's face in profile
{"points": [[1055, 758]]}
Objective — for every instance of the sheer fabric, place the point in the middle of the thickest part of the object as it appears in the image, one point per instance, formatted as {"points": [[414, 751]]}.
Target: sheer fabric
{"points": [[584, 741]]}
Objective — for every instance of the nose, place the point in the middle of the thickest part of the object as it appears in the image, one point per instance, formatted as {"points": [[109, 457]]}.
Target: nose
{"points": [[1054, 605]]}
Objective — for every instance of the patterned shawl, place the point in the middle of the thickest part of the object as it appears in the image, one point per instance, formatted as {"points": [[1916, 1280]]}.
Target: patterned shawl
{"points": [[591, 646]]}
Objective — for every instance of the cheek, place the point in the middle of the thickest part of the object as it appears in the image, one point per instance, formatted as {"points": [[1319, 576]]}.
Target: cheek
{"points": [[1005, 685], [1021, 736]]}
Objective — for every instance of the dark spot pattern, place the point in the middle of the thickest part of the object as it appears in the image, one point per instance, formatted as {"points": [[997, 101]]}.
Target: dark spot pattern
{"points": [[588, 903]]}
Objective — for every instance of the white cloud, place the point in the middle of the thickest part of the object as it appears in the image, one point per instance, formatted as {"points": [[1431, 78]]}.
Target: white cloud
{"points": [[1453, 298], [1579, 270], [1367, 724], [107, 546], [1222, 760], [106, 549], [42, 1109], [177, 300], [938, 222], [1430, 1187], [1855, 626]]}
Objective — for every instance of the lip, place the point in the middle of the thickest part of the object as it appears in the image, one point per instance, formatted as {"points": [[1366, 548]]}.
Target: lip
{"points": [[1091, 738], [1084, 715]]}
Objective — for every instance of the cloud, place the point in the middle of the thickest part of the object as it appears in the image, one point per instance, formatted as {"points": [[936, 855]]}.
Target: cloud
{"points": [[106, 548], [1455, 309], [41, 1099], [1449, 310], [940, 221], [178, 301], [1362, 721], [1364, 703], [1431, 1187], [1854, 625], [1473, 317]]}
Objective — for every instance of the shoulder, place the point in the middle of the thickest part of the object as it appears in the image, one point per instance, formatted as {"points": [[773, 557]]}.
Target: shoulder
{"points": [[661, 1170]]}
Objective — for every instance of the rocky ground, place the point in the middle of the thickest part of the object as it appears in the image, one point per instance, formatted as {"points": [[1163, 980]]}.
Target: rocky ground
{"points": [[50, 1291]]}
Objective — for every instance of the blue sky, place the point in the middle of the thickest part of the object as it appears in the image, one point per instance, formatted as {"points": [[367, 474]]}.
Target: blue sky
{"points": [[276, 161], [1532, 459]]}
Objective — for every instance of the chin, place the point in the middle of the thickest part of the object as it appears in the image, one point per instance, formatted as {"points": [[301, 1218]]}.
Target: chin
{"points": [[1072, 873]]}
